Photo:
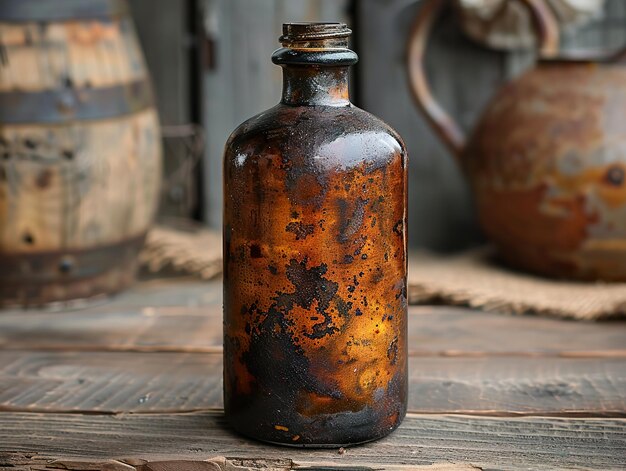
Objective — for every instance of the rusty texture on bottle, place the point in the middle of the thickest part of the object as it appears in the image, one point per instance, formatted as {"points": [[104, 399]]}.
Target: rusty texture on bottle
{"points": [[315, 258]]}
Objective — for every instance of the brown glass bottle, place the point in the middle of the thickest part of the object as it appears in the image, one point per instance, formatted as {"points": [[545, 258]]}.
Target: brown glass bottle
{"points": [[315, 258]]}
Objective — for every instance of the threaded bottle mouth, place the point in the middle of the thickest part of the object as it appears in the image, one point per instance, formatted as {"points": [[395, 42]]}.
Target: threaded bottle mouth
{"points": [[315, 44], [304, 32]]}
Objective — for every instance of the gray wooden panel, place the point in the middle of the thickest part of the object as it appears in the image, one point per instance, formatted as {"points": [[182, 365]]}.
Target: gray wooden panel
{"points": [[487, 443], [244, 81], [161, 27], [164, 37]]}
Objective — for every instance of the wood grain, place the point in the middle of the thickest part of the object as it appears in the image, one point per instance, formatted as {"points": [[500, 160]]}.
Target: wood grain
{"points": [[184, 315], [179, 292], [19, 462], [116, 382], [489, 443], [109, 382], [154, 316], [436, 331], [142, 329], [103, 194], [86, 53]]}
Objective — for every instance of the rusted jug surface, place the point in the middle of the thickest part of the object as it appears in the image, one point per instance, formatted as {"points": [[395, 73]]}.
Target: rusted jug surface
{"points": [[547, 160], [315, 258]]}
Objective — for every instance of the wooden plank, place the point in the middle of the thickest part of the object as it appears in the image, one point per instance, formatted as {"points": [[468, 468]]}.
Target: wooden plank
{"points": [[449, 331], [183, 291], [146, 329], [161, 27], [157, 315], [18, 462], [184, 315], [436, 331], [488, 443], [98, 382], [505, 386], [109, 382]]}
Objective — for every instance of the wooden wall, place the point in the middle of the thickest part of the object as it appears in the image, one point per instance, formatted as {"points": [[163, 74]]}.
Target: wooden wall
{"points": [[244, 81], [162, 29], [241, 81], [164, 32]]}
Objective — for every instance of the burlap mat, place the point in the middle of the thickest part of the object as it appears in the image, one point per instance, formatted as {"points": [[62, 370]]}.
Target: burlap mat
{"points": [[470, 279], [475, 279], [193, 251]]}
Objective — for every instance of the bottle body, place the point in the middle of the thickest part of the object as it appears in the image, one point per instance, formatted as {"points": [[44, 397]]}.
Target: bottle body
{"points": [[315, 277], [315, 305]]}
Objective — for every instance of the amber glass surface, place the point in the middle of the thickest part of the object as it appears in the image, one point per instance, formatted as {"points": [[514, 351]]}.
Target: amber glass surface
{"points": [[315, 261]]}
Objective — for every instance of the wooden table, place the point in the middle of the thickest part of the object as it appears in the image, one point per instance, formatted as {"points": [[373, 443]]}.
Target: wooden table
{"points": [[135, 383]]}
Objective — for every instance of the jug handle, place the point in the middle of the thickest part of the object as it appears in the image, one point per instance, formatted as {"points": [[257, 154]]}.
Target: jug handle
{"points": [[446, 128]]}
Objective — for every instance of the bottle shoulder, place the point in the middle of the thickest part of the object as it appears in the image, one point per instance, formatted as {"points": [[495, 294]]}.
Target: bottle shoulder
{"points": [[382, 125], [345, 131]]}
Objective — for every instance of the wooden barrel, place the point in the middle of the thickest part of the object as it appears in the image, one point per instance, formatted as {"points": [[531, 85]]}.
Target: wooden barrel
{"points": [[80, 155]]}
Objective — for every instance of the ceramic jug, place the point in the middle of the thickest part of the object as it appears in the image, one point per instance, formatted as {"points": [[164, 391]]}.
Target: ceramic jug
{"points": [[547, 160]]}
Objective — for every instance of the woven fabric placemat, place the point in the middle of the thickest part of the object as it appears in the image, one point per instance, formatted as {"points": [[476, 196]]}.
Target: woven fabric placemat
{"points": [[472, 278], [475, 278], [193, 251]]}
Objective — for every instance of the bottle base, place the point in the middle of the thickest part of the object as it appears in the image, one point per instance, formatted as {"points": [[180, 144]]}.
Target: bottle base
{"points": [[320, 444]]}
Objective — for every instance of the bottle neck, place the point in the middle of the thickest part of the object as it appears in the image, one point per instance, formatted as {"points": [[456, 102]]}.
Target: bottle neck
{"points": [[306, 85], [315, 59]]}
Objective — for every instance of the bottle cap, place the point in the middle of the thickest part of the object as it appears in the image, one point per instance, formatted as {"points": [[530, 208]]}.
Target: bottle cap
{"points": [[298, 32]]}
